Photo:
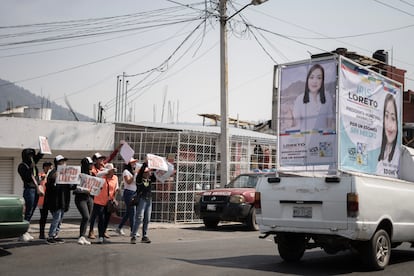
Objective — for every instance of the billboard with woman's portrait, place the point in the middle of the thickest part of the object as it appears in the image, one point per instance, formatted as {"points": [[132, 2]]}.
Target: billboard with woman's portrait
{"points": [[307, 114], [370, 121]]}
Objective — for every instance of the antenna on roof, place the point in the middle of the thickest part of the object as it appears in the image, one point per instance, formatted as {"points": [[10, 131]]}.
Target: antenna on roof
{"points": [[71, 109], [163, 103]]}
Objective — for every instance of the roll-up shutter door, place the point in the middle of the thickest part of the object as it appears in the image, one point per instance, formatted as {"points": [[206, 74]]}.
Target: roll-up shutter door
{"points": [[6, 175]]}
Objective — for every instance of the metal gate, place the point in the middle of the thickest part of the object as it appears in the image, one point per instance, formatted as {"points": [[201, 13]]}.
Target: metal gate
{"points": [[196, 159]]}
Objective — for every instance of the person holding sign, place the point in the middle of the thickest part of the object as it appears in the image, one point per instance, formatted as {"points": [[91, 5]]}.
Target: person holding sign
{"points": [[47, 168], [30, 176], [99, 164], [57, 199], [388, 159], [128, 177], [108, 192], [84, 202], [314, 108], [100, 160], [144, 180]]}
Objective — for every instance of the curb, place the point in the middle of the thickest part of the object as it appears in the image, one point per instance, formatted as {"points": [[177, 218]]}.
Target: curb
{"points": [[72, 225]]}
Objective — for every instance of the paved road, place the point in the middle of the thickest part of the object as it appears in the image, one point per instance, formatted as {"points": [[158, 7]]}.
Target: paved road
{"points": [[181, 250]]}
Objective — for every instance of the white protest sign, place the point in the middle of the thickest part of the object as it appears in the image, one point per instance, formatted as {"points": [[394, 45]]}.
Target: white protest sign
{"points": [[157, 162], [162, 176], [126, 152], [44, 145], [68, 175], [92, 183]]}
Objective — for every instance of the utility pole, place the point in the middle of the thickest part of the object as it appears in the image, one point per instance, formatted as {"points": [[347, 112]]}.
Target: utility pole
{"points": [[224, 106], [116, 98], [224, 136], [122, 97], [126, 98]]}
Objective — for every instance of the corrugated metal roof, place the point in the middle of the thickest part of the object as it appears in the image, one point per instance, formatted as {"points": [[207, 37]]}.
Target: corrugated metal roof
{"points": [[206, 129]]}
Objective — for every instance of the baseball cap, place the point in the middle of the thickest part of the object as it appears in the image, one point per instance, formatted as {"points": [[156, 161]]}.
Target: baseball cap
{"points": [[110, 166], [132, 160], [60, 158], [97, 155]]}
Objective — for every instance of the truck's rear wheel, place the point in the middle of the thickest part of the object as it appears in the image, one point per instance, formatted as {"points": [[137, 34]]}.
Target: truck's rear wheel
{"points": [[291, 246], [251, 220], [210, 222], [377, 251]]}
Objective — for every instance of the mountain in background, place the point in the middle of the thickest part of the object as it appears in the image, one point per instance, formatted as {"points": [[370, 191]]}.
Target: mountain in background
{"points": [[12, 96]]}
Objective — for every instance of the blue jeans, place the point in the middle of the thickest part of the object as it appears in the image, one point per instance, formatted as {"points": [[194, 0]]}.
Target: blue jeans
{"points": [[130, 210], [103, 218], [30, 197], [57, 217], [143, 216]]}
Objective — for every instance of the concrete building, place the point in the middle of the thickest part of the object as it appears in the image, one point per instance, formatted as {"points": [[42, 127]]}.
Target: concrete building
{"points": [[74, 140]]}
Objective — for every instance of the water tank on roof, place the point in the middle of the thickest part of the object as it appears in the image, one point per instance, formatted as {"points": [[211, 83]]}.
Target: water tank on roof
{"points": [[38, 113], [381, 55]]}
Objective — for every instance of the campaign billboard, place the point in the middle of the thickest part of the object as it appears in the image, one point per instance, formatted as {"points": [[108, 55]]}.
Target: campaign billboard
{"points": [[307, 114], [370, 120]]}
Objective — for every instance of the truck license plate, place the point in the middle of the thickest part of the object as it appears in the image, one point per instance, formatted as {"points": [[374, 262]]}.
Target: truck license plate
{"points": [[211, 207], [302, 212]]}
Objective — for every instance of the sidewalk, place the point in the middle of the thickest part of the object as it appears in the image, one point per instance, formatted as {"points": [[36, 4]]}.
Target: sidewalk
{"points": [[72, 225]]}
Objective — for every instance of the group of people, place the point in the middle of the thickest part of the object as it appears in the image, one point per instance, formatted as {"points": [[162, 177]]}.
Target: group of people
{"points": [[41, 189]]}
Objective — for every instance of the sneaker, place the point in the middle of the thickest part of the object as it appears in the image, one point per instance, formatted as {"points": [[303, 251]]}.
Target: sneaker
{"points": [[133, 240], [85, 241], [120, 232], [145, 240], [106, 235], [30, 237], [51, 241], [59, 240], [42, 237], [24, 238], [91, 235], [81, 240], [101, 240]]}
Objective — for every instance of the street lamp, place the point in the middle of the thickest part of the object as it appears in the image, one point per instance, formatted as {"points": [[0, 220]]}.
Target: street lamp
{"points": [[224, 114]]}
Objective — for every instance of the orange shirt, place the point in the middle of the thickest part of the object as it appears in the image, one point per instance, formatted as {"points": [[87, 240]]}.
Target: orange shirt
{"points": [[102, 198], [94, 170], [43, 179]]}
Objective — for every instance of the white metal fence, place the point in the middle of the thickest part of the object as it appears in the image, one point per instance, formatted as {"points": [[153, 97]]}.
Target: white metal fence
{"points": [[196, 161]]}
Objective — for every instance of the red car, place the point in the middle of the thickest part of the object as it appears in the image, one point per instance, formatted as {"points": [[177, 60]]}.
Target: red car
{"points": [[232, 203]]}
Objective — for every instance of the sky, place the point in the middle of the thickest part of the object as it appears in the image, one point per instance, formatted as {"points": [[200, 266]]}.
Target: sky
{"points": [[170, 50]]}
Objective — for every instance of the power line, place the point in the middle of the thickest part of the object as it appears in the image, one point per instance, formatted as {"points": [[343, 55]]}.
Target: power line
{"points": [[394, 8]]}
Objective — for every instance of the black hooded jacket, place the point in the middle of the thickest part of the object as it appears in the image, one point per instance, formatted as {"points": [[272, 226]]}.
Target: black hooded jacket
{"points": [[57, 196], [27, 168], [144, 184]]}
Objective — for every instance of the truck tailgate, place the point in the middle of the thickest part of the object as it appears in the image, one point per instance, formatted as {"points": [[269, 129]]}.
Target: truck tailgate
{"points": [[304, 202]]}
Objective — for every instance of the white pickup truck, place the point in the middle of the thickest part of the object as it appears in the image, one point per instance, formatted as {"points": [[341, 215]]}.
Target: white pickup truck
{"points": [[365, 213]]}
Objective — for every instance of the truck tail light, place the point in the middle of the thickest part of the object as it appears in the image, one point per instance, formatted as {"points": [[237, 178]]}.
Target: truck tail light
{"points": [[352, 204], [257, 202]]}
